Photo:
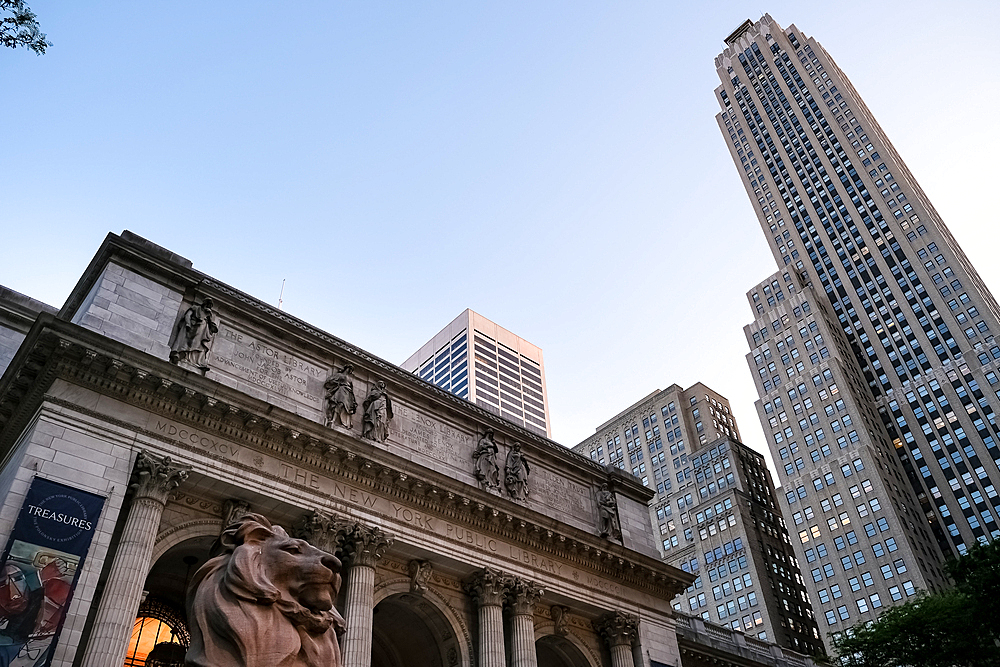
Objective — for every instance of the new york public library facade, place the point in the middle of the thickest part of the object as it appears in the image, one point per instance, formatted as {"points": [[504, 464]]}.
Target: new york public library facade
{"points": [[158, 405]]}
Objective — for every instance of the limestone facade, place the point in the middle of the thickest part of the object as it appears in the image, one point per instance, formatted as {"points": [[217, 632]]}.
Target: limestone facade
{"points": [[439, 570]]}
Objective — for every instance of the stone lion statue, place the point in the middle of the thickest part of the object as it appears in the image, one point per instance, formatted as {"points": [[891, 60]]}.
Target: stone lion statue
{"points": [[266, 601]]}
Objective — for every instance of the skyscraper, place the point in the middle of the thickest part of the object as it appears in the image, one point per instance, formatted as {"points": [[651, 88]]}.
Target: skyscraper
{"points": [[505, 375], [872, 346], [715, 512]]}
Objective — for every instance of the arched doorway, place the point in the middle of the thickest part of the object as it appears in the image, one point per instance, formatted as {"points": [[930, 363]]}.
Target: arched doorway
{"points": [[408, 630], [556, 651], [160, 635]]}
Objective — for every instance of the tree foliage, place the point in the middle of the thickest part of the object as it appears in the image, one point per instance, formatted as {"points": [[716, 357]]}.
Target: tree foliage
{"points": [[956, 628], [18, 27]]}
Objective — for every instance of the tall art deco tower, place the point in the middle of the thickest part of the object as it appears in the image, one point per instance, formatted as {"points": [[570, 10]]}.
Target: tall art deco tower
{"points": [[873, 345]]}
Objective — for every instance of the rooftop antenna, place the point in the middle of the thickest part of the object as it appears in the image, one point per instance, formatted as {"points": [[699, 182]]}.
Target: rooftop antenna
{"points": [[282, 293]]}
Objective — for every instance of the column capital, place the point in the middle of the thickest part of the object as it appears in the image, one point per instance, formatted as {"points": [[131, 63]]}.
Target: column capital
{"points": [[617, 628], [154, 477], [523, 594], [488, 587], [364, 545], [327, 532]]}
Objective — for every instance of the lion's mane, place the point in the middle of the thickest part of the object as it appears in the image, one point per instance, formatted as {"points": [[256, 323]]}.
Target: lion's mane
{"points": [[239, 618]]}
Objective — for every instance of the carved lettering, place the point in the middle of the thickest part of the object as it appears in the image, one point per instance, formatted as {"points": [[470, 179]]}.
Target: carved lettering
{"points": [[433, 439], [197, 439], [279, 372]]}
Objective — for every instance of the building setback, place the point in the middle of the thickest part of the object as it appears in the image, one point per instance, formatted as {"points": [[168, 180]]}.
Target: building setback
{"points": [[872, 346], [715, 512], [485, 364]]}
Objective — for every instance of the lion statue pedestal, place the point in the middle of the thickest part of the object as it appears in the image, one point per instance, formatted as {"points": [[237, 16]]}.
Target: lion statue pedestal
{"points": [[267, 601]]}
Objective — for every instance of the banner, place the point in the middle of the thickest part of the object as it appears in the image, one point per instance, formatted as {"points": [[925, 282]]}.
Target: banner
{"points": [[40, 567]]}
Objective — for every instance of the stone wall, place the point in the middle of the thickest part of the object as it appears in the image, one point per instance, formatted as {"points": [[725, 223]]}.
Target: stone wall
{"points": [[131, 309], [17, 313], [97, 460]]}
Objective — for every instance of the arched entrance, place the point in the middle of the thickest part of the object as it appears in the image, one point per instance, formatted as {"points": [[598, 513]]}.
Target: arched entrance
{"points": [[408, 630], [556, 651], [160, 634]]}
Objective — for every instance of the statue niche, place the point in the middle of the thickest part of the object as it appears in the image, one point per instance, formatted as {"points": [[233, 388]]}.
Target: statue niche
{"points": [[267, 600], [378, 412], [607, 511], [194, 335], [340, 401], [516, 473], [486, 469]]}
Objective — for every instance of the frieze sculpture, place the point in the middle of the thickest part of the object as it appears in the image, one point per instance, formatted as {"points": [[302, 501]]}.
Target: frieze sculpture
{"points": [[486, 469], [516, 473], [233, 510], [194, 335], [560, 619], [607, 510], [340, 401], [420, 575], [267, 600], [378, 412]]}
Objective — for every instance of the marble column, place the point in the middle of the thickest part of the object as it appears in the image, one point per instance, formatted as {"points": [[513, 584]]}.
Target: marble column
{"points": [[363, 547], [488, 588], [522, 595], [153, 479], [619, 630]]}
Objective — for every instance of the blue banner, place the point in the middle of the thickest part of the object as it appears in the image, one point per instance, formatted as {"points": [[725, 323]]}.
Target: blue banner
{"points": [[40, 567]]}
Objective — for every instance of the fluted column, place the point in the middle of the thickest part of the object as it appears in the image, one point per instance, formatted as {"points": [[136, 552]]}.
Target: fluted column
{"points": [[619, 630], [488, 587], [153, 479], [363, 547], [522, 595]]}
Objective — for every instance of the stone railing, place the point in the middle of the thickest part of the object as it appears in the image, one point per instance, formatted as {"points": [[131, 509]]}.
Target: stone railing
{"points": [[695, 634]]}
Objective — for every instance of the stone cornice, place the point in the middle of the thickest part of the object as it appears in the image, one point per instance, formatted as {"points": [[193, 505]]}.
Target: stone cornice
{"points": [[82, 357], [130, 250], [257, 309]]}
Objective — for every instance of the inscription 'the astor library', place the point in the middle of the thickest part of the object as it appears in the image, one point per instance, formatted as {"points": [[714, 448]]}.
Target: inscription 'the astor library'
{"points": [[273, 369]]}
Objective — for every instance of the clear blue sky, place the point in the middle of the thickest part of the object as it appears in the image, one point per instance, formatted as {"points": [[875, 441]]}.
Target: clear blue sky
{"points": [[555, 166]]}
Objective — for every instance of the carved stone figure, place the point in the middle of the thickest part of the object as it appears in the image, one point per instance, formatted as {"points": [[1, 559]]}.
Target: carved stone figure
{"points": [[194, 335], [420, 575], [340, 401], [234, 510], [559, 619], [487, 471], [378, 412], [607, 510], [516, 473], [267, 600]]}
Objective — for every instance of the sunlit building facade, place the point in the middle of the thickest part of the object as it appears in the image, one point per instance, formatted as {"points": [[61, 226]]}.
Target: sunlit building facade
{"points": [[480, 361], [715, 512], [873, 345]]}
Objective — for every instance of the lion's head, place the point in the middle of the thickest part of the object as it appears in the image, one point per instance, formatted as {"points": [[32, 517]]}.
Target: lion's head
{"points": [[267, 600]]}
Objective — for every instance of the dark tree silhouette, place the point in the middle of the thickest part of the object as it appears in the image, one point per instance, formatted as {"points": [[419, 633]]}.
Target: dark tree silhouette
{"points": [[956, 628], [18, 27]]}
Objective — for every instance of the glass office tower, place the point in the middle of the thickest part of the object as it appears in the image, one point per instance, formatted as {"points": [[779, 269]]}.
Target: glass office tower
{"points": [[484, 363]]}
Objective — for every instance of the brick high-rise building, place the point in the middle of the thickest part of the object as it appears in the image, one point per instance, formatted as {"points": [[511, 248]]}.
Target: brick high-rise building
{"points": [[715, 512], [872, 346]]}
